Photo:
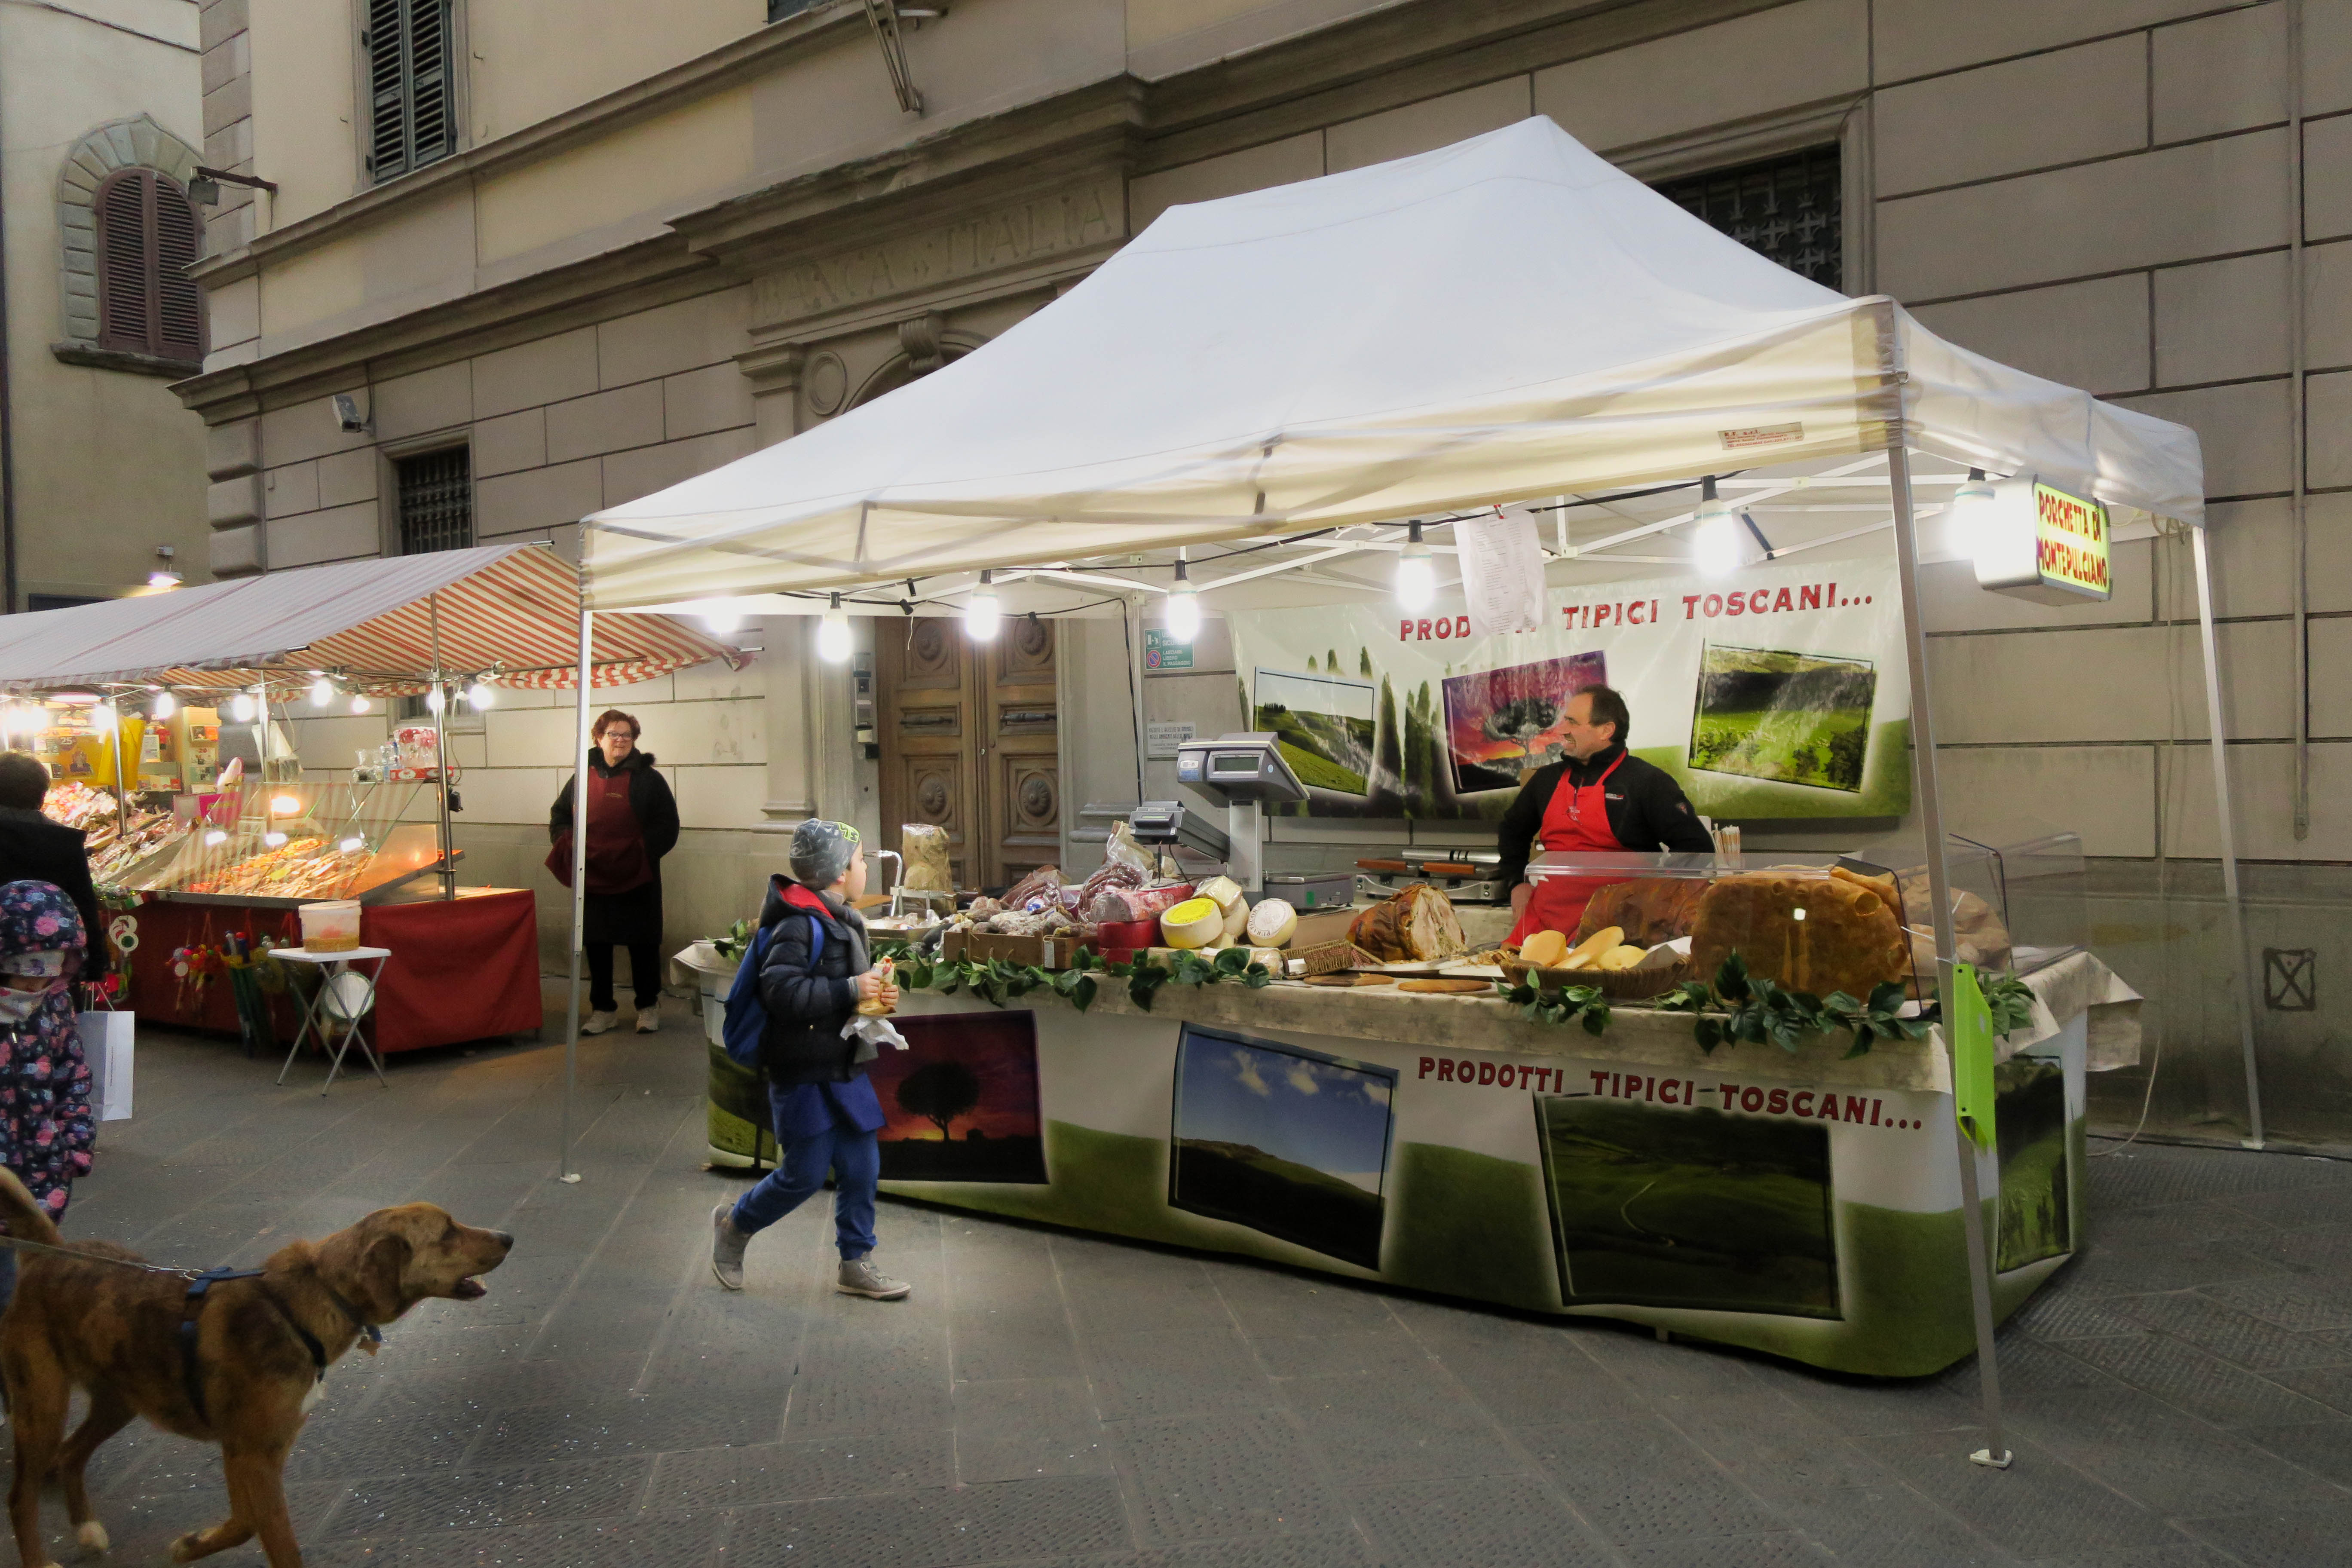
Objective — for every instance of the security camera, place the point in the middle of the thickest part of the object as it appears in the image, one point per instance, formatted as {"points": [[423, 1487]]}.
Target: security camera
{"points": [[348, 415]]}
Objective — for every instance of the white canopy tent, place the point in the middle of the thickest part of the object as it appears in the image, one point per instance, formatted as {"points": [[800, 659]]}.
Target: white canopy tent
{"points": [[1296, 371]]}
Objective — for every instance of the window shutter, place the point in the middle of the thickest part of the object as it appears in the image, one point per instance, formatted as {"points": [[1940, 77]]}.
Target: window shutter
{"points": [[126, 296], [428, 74], [388, 87], [179, 310], [411, 122]]}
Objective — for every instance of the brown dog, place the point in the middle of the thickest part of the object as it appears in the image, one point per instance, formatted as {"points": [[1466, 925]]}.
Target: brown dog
{"points": [[262, 1347]]}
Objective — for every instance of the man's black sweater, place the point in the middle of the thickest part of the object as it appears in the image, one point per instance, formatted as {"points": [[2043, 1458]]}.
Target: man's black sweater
{"points": [[1647, 810]]}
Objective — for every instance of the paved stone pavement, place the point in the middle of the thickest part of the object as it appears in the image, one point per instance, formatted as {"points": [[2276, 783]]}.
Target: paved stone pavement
{"points": [[2182, 1397]]}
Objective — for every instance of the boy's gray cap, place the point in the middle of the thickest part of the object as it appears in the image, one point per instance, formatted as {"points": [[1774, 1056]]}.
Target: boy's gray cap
{"points": [[822, 851]]}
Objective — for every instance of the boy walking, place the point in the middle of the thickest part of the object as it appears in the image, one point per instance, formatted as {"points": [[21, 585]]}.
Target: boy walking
{"points": [[813, 976]]}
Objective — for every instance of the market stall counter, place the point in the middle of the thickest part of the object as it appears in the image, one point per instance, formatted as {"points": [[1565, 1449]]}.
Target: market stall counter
{"points": [[1803, 1203], [461, 969]]}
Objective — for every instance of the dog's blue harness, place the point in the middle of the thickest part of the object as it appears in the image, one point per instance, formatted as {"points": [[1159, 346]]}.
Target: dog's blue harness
{"points": [[192, 1307]]}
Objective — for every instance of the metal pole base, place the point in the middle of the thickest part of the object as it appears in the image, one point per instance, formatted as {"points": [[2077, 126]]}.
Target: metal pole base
{"points": [[572, 1180], [1984, 1457]]}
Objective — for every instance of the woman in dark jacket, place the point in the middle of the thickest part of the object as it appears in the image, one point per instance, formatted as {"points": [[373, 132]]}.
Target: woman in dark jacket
{"points": [[632, 824]]}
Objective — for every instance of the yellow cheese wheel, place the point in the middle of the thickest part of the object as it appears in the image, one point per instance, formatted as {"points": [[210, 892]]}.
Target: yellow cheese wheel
{"points": [[1194, 923], [1545, 949], [1621, 958]]}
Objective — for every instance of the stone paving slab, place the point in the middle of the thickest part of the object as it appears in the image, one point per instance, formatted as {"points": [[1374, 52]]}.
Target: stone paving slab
{"points": [[2182, 1394]]}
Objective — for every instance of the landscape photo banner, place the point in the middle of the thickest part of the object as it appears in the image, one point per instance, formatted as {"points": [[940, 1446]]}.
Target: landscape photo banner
{"points": [[1779, 692]]}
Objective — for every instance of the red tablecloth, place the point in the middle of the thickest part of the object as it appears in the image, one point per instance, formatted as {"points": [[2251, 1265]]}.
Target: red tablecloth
{"points": [[464, 968]]}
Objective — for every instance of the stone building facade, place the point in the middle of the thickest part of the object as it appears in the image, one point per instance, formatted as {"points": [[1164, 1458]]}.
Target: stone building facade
{"points": [[662, 238], [99, 465]]}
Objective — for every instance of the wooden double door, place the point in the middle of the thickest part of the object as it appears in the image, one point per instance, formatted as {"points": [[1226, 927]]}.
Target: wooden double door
{"points": [[970, 743]]}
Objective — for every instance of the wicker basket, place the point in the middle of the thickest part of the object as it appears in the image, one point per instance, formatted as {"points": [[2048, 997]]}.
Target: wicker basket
{"points": [[1617, 984]]}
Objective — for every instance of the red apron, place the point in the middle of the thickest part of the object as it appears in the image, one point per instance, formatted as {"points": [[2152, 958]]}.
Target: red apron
{"points": [[617, 840], [1576, 819]]}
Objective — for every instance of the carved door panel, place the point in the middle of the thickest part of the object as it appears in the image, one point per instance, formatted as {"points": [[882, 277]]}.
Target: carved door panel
{"points": [[1020, 756], [930, 738]]}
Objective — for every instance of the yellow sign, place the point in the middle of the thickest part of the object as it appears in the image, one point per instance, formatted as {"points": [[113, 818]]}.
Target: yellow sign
{"points": [[2033, 541], [2070, 541]]}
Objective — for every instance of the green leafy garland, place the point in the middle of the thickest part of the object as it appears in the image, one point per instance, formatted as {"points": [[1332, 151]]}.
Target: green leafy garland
{"points": [[1747, 1008], [2010, 1001], [999, 983]]}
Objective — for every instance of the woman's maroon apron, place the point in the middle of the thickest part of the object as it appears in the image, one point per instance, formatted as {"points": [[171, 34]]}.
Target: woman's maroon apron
{"points": [[617, 840], [1576, 819]]}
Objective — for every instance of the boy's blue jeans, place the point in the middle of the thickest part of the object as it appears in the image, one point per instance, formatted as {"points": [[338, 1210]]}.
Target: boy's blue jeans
{"points": [[854, 1157]]}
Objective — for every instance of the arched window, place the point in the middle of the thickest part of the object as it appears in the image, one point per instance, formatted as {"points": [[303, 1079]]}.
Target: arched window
{"points": [[147, 236]]}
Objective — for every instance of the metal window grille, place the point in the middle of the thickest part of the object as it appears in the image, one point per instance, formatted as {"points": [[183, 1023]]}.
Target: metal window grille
{"points": [[412, 98], [1789, 209], [436, 501], [147, 237]]}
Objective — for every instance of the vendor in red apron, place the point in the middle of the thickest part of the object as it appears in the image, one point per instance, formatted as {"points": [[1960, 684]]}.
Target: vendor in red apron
{"points": [[1599, 801]]}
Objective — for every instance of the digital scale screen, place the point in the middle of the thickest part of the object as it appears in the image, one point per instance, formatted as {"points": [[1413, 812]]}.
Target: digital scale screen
{"points": [[1229, 764]]}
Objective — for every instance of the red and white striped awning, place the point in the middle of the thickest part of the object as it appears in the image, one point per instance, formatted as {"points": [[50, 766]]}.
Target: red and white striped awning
{"points": [[507, 613]]}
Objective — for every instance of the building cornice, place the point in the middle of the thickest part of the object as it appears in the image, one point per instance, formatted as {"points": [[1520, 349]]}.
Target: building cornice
{"points": [[745, 59], [1121, 125]]}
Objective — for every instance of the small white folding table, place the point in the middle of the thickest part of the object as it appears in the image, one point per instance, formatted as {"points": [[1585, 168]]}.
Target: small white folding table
{"points": [[346, 996]]}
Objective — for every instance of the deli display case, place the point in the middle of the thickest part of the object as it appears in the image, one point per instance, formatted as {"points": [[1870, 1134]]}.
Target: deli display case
{"points": [[283, 845]]}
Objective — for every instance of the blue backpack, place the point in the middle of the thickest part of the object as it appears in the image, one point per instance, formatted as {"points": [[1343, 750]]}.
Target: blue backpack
{"points": [[747, 1016]]}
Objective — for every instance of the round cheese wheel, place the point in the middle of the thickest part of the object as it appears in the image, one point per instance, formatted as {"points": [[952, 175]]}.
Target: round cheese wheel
{"points": [[1194, 923], [1225, 891], [1236, 921], [1272, 923]]}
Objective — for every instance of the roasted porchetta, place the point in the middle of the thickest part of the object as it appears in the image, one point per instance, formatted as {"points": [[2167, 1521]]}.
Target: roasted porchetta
{"points": [[1416, 925]]}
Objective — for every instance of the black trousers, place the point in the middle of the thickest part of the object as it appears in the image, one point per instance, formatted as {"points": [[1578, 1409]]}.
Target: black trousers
{"points": [[644, 974]]}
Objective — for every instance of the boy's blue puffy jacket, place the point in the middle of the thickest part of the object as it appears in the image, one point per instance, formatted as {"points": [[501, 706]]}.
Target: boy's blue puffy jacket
{"points": [[808, 1004]]}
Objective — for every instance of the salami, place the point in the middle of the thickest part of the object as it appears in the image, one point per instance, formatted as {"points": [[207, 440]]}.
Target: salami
{"points": [[1120, 904]]}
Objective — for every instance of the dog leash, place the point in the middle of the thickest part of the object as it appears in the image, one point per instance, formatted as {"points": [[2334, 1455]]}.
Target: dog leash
{"points": [[23, 1246]]}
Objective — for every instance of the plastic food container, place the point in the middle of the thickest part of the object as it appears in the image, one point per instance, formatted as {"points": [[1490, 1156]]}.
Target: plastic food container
{"points": [[331, 925]]}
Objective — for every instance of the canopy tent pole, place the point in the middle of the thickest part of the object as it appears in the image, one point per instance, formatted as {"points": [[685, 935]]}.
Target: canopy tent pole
{"points": [[2226, 821], [1995, 1452], [1135, 690], [438, 704], [579, 874]]}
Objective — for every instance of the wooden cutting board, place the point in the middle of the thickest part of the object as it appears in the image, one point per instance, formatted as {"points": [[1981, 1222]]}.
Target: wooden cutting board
{"points": [[1351, 979], [1446, 987]]}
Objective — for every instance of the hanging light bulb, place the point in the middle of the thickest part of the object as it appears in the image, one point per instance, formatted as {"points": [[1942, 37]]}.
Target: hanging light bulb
{"points": [[323, 692], [359, 704], [103, 716], [833, 633], [1416, 576], [1716, 546], [242, 709], [723, 618], [1183, 606], [982, 614], [1969, 519], [273, 840], [479, 696], [435, 702], [285, 806], [353, 845], [163, 706]]}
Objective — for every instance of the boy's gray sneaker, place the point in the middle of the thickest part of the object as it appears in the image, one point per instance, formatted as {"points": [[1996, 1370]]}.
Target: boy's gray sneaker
{"points": [[727, 1246], [860, 1278]]}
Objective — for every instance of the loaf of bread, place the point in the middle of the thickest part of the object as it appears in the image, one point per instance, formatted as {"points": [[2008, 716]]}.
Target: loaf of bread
{"points": [[1649, 910], [925, 845], [1848, 939], [1418, 923]]}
